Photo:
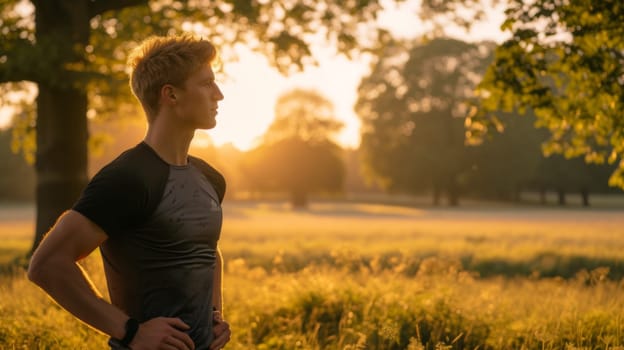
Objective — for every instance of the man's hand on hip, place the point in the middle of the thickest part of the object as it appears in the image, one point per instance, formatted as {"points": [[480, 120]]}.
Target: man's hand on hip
{"points": [[222, 333], [162, 333]]}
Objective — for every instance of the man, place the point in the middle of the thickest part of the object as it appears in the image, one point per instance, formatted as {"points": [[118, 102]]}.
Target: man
{"points": [[154, 212]]}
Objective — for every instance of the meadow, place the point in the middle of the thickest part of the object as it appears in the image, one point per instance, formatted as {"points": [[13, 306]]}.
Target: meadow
{"points": [[346, 275]]}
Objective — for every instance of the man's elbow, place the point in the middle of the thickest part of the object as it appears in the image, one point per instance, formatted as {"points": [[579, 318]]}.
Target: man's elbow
{"points": [[36, 271], [42, 267]]}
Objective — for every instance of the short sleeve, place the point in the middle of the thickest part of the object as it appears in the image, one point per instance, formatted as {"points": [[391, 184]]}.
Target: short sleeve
{"points": [[126, 191], [115, 199]]}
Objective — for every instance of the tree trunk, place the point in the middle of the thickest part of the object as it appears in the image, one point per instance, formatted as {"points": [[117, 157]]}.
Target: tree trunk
{"points": [[299, 199], [561, 195], [453, 192], [585, 196], [61, 157]]}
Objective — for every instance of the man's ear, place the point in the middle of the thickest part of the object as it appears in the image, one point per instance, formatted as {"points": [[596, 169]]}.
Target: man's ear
{"points": [[167, 94]]}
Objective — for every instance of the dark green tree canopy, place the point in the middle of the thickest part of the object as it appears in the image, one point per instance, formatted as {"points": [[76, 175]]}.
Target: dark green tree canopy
{"points": [[412, 108], [565, 63]]}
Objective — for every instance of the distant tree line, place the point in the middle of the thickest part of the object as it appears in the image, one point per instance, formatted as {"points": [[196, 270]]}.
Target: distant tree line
{"points": [[414, 107], [410, 152]]}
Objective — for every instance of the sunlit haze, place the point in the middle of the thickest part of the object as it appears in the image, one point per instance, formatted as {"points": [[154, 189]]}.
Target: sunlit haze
{"points": [[252, 88]]}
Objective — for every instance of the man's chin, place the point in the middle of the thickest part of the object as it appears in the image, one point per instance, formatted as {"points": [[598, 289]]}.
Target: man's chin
{"points": [[208, 125]]}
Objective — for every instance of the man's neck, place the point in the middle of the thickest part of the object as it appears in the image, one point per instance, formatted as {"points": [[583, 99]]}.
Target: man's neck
{"points": [[169, 143]]}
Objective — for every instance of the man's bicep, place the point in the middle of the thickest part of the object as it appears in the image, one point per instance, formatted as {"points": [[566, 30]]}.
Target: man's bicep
{"points": [[73, 236]]}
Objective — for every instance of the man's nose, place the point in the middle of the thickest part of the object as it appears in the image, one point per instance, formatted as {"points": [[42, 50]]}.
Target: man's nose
{"points": [[218, 94]]}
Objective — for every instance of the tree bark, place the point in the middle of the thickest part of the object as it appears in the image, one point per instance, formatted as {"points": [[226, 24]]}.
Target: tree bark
{"points": [[61, 156]]}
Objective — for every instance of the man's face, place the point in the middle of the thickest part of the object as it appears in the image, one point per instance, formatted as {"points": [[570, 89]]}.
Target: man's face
{"points": [[197, 101]]}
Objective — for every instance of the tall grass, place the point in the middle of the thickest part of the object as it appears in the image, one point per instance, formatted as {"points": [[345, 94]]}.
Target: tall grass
{"points": [[347, 276]]}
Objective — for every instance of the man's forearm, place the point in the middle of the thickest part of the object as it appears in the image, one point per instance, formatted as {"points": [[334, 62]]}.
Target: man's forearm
{"points": [[70, 287]]}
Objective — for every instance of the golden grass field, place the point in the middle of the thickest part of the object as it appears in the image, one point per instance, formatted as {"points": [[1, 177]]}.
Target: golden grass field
{"points": [[346, 275]]}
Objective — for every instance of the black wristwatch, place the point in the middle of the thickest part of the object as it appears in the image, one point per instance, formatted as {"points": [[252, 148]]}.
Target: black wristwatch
{"points": [[132, 326]]}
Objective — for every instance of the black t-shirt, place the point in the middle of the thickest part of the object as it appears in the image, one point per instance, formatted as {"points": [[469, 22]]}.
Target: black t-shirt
{"points": [[163, 223]]}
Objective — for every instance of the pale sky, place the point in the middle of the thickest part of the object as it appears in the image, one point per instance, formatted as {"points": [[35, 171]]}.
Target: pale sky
{"points": [[252, 86]]}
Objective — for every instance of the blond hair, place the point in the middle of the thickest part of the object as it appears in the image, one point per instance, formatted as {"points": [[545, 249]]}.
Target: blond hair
{"points": [[165, 60]]}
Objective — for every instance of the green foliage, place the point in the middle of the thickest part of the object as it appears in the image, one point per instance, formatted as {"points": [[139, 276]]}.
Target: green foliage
{"points": [[279, 30], [412, 108], [564, 62], [463, 13]]}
